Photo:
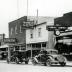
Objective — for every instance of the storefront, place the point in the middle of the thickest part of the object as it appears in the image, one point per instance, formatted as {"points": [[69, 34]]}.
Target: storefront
{"points": [[36, 47], [64, 42], [3, 51]]}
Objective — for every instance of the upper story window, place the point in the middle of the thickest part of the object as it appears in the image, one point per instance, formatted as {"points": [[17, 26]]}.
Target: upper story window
{"points": [[39, 32], [11, 31], [20, 29], [31, 33], [16, 29]]}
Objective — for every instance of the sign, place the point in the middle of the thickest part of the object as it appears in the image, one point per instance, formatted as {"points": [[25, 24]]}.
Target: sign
{"points": [[9, 40], [28, 24], [57, 32], [52, 28]]}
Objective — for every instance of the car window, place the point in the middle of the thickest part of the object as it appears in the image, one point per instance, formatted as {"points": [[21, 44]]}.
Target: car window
{"points": [[53, 52]]}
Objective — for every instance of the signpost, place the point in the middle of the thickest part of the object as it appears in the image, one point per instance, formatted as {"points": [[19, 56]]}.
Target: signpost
{"points": [[9, 40]]}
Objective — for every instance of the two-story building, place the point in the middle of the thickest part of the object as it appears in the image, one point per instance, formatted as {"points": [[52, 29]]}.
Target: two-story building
{"points": [[37, 37], [16, 32]]}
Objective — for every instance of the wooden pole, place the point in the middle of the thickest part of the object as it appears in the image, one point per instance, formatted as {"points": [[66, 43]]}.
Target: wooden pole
{"points": [[31, 50], [9, 54]]}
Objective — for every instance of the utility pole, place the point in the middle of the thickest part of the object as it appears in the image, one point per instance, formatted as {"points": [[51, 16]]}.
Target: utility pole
{"points": [[27, 8], [37, 17]]}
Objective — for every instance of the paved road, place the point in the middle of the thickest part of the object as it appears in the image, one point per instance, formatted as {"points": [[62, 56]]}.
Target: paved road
{"points": [[4, 67]]}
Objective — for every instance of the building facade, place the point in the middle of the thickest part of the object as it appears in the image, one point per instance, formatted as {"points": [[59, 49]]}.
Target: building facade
{"points": [[64, 39], [37, 37], [16, 31], [30, 34]]}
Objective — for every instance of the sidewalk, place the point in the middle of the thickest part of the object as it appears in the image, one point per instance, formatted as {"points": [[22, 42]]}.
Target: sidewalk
{"points": [[30, 62]]}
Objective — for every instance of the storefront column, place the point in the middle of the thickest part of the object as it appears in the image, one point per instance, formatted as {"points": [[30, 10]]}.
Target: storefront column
{"points": [[31, 50], [14, 48], [50, 40], [41, 46], [9, 54]]}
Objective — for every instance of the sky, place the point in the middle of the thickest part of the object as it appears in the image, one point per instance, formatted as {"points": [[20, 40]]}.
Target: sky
{"points": [[12, 9]]}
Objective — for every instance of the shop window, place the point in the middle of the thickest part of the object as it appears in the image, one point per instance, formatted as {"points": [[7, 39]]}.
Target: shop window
{"points": [[22, 48], [44, 45], [38, 45], [16, 48]]}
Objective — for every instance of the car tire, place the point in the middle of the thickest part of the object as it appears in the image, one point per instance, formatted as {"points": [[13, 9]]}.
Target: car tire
{"points": [[48, 63], [26, 62], [8, 61], [45, 64], [63, 64], [34, 62]]}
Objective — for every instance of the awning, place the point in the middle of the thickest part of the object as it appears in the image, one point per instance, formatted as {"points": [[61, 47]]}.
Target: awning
{"points": [[4, 46]]}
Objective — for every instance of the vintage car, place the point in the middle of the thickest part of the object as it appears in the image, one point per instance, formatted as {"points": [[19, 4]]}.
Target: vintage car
{"points": [[55, 58], [49, 58], [41, 58], [18, 57], [3, 55]]}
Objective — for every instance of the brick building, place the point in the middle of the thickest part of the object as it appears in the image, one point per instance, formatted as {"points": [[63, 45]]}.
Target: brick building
{"points": [[16, 32]]}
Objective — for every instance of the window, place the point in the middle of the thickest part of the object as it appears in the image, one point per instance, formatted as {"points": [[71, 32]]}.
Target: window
{"points": [[20, 29], [11, 31], [16, 29], [16, 48], [39, 32], [31, 33], [43, 44]]}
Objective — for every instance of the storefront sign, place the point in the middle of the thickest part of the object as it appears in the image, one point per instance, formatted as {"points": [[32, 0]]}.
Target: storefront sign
{"points": [[9, 40], [52, 28], [28, 24]]}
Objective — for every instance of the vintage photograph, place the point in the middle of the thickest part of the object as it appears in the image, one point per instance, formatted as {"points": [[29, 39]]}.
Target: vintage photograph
{"points": [[35, 35]]}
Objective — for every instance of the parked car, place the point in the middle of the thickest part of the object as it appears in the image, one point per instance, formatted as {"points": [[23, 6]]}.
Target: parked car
{"points": [[41, 58], [3, 55], [55, 58], [18, 57], [49, 58]]}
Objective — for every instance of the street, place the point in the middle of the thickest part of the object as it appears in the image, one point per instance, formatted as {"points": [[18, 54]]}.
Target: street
{"points": [[4, 67]]}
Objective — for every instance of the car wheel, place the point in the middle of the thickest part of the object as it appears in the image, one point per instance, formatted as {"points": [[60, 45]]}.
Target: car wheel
{"points": [[17, 60], [45, 64], [26, 62], [34, 62], [48, 63], [63, 64], [7, 60]]}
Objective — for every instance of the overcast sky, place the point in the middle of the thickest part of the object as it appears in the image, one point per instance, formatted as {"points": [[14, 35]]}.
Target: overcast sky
{"points": [[9, 11]]}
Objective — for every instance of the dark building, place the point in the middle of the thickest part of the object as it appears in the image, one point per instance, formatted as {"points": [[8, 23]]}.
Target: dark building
{"points": [[64, 39], [65, 20], [17, 32]]}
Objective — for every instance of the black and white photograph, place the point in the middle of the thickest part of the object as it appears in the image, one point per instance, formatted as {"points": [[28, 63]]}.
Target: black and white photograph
{"points": [[35, 35]]}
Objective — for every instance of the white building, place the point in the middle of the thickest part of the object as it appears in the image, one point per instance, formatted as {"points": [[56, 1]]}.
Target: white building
{"points": [[38, 37]]}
